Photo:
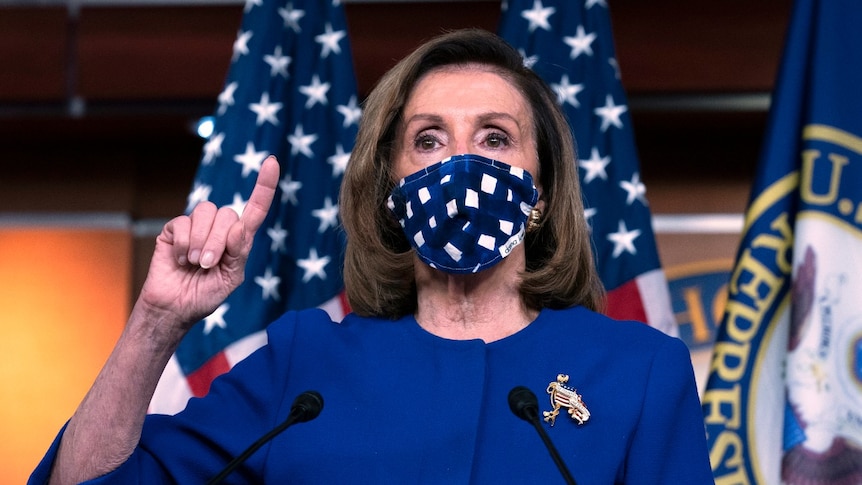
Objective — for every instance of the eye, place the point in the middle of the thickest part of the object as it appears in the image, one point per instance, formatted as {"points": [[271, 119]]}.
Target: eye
{"points": [[497, 140], [425, 142]]}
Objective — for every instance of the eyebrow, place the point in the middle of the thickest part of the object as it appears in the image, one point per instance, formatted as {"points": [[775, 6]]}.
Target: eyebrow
{"points": [[486, 117], [483, 118], [424, 117]]}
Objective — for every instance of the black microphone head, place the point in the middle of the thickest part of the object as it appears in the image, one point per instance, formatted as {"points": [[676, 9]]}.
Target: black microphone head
{"points": [[523, 403], [307, 406]]}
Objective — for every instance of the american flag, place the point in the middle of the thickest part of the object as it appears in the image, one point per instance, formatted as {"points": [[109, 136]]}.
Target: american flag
{"points": [[290, 91], [569, 43]]}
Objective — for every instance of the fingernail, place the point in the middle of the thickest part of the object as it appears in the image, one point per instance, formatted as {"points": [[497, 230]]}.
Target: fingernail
{"points": [[182, 260], [207, 260], [195, 256]]}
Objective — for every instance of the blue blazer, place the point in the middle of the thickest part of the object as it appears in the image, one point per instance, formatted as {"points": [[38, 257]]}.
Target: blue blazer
{"points": [[405, 406]]}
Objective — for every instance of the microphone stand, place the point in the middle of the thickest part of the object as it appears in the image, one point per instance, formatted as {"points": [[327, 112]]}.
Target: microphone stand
{"points": [[305, 408], [524, 404]]}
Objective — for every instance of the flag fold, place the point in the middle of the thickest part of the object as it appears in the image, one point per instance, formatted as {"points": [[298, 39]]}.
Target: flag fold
{"points": [[783, 402]]}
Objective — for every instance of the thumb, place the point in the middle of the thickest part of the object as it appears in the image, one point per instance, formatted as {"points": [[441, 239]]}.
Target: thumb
{"points": [[238, 243]]}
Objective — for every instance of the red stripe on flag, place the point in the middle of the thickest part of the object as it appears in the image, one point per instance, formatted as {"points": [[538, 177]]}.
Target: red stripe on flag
{"points": [[200, 380], [345, 306], [624, 303]]}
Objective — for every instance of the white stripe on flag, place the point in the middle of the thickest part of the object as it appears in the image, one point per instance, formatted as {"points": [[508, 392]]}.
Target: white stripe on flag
{"points": [[244, 347], [655, 297], [172, 392]]}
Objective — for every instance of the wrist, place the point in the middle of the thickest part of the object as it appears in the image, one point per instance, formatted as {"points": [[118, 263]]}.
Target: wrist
{"points": [[160, 328]]}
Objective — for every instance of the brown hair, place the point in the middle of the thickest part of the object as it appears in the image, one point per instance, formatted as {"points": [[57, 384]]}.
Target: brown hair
{"points": [[378, 264]]}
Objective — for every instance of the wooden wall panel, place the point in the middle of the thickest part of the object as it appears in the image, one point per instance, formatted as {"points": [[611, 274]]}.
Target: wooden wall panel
{"points": [[156, 52], [382, 33], [168, 52], [32, 54], [699, 46]]}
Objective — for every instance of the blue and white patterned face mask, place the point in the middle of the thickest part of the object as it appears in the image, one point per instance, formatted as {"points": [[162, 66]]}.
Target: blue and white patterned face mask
{"points": [[465, 213]]}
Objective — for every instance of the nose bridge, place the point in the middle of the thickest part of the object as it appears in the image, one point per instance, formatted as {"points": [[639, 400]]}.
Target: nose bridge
{"points": [[461, 147], [463, 139]]}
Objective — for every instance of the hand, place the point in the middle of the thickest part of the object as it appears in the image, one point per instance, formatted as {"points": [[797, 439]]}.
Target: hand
{"points": [[200, 259]]}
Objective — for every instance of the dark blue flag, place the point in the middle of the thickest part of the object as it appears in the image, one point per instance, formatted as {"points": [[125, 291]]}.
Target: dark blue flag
{"points": [[290, 92], [783, 402], [569, 43]]}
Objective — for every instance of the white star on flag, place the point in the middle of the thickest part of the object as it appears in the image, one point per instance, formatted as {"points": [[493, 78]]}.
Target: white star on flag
{"points": [[594, 166], [212, 148], [265, 110], [339, 160], [624, 240], [538, 16], [240, 45], [249, 4], [567, 92], [581, 43], [216, 319], [328, 215], [329, 41], [589, 213], [279, 238], [616, 67], [635, 189], [225, 98], [278, 63], [313, 266], [251, 160], [529, 61], [316, 92], [269, 284], [300, 142], [351, 112], [289, 188], [291, 17], [238, 204], [199, 193], [610, 113]]}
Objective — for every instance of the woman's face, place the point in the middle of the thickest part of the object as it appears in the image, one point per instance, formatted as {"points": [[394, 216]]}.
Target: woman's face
{"points": [[465, 109]]}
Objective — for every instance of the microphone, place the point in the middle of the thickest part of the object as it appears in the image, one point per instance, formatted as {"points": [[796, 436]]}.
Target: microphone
{"points": [[524, 405], [305, 407]]}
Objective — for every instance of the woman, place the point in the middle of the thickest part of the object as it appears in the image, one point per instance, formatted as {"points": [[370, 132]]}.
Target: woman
{"points": [[469, 272]]}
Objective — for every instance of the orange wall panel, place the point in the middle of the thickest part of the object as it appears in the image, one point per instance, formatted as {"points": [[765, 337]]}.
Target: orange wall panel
{"points": [[64, 298]]}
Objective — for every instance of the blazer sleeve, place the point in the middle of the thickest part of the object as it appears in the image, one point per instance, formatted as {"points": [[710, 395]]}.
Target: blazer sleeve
{"points": [[198, 442], [669, 444]]}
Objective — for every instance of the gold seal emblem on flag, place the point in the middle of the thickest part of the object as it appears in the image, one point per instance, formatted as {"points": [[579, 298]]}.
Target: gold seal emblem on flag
{"points": [[563, 396]]}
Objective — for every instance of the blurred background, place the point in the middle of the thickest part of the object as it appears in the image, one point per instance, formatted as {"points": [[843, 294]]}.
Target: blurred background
{"points": [[99, 101]]}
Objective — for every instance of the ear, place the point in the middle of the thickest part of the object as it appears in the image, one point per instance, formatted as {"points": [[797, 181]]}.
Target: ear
{"points": [[541, 204]]}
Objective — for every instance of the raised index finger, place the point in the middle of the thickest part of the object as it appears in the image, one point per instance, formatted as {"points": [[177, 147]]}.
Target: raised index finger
{"points": [[261, 197]]}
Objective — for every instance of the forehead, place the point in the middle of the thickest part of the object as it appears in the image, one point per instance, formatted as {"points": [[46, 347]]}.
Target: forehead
{"points": [[466, 85]]}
